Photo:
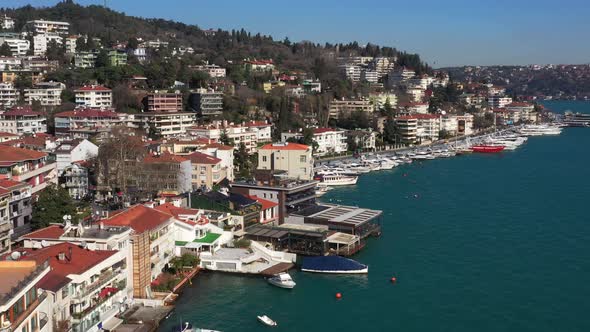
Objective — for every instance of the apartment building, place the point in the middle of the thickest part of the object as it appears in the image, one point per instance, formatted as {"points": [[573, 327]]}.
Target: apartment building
{"points": [[43, 27], [159, 101], [46, 93], [207, 170], [351, 71], [42, 41], [152, 243], [498, 101], [295, 159], [20, 207], [117, 58], [32, 167], [206, 102], [214, 71], [6, 22], [5, 225], [86, 122], [18, 47], [345, 107], [76, 150], [94, 96], [85, 59], [166, 173], [24, 307], [330, 141], [8, 95], [74, 178], [259, 65], [22, 120], [166, 124]]}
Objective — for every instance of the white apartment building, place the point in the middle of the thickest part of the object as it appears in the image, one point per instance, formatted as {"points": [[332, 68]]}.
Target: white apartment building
{"points": [[497, 101], [71, 43], [8, 95], [41, 42], [348, 106], [22, 120], [71, 151], [86, 122], [85, 59], [47, 93], [383, 65], [370, 76], [95, 96], [400, 75], [6, 23], [296, 159], [379, 99], [457, 124], [43, 27], [18, 47], [330, 141], [262, 129], [416, 93], [238, 134], [167, 124], [214, 71], [413, 108], [9, 62], [352, 72]]}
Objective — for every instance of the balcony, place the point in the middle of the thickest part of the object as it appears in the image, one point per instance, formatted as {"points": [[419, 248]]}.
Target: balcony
{"points": [[5, 226], [79, 316], [23, 176], [99, 283]]}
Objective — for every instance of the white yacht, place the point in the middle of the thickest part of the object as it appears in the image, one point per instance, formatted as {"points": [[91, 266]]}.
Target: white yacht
{"points": [[540, 130], [282, 280], [266, 320], [335, 179]]}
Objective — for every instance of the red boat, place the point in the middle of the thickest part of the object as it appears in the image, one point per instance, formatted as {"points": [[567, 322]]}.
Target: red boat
{"points": [[487, 148]]}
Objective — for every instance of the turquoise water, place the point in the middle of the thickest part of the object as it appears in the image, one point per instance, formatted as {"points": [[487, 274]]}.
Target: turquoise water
{"points": [[492, 243]]}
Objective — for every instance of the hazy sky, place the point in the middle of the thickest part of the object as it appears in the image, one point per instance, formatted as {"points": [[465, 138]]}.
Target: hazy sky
{"points": [[443, 32]]}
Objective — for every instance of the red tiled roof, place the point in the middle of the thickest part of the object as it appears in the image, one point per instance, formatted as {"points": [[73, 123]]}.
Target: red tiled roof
{"points": [[80, 261], [92, 88], [201, 158], [4, 134], [4, 192], [257, 124], [87, 113], [49, 232], [12, 154], [286, 146], [21, 111], [11, 184], [164, 158], [139, 217], [219, 146], [266, 204], [176, 212]]}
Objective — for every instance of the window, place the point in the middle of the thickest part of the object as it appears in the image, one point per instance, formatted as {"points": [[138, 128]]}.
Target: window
{"points": [[303, 159], [263, 158]]}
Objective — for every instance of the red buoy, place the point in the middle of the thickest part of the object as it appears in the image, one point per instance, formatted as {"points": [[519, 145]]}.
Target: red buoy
{"points": [[338, 295], [393, 280]]}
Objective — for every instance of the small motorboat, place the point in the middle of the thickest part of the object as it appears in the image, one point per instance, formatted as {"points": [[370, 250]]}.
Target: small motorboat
{"points": [[282, 280], [187, 327], [266, 320]]}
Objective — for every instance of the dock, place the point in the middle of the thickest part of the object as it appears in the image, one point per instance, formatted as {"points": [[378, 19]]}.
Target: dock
{"points": [[276, 269]]}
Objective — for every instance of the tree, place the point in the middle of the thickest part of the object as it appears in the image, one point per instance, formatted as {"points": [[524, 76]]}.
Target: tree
{"points": [[390, 131], [5, 50], [444, 134], [102, 59], [242, 161], [132, 44], [55, 51], [53, 203]]}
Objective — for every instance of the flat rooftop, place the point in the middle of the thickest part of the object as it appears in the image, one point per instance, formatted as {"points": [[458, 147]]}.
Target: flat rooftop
{"points": [[277, 232], [13, 273], [230, 254], [343, 214], [285, 185]]}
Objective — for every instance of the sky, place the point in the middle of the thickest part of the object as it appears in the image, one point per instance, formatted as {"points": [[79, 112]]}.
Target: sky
{"points": [[443, 32]]}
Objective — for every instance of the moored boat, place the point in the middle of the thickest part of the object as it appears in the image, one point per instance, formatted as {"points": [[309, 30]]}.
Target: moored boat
{"points": [[487, 148], [333, 264], [282, 280]]}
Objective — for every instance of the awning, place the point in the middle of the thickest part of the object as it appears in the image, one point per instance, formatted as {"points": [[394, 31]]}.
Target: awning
{"points": [[111, 324]]}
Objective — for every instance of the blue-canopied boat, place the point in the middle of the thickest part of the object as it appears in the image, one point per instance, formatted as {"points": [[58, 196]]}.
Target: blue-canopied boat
{"points": [[333, 264]]}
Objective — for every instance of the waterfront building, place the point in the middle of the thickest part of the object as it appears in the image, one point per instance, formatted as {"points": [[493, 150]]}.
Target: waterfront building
{"points": [[329, 141], [77, 150], [525, 112], [365, 140], [166, 102], [244, 211], [290, 195], [22, 120], [457, 124], [8, 95], [295, 159], [46, 93], [94, 96], [24, 307], [88, 287], [43, 27], [206, 170], [206, 102], [32, 167], [269, 210], [152, 244], [20, 207], [407, 127]]}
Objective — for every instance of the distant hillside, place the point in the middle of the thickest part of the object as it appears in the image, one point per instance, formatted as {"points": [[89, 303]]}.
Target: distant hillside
{"points": [[113, 27]]}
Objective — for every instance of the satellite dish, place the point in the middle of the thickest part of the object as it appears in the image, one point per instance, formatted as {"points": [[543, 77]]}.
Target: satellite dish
{"points": [[443, 112], [44, 244], [15, 255]]}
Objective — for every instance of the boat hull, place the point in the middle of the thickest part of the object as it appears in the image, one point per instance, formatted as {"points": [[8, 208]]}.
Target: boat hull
{"points": [[281, 284], [487, 149], [361, 271]]}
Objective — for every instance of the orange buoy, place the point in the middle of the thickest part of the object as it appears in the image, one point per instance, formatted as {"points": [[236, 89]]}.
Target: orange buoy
{"points": [[338, 295], [393, 280]]}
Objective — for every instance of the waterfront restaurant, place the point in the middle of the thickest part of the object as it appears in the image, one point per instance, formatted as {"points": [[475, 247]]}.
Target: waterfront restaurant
{"points": [[341, 218], [298, 241]]}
